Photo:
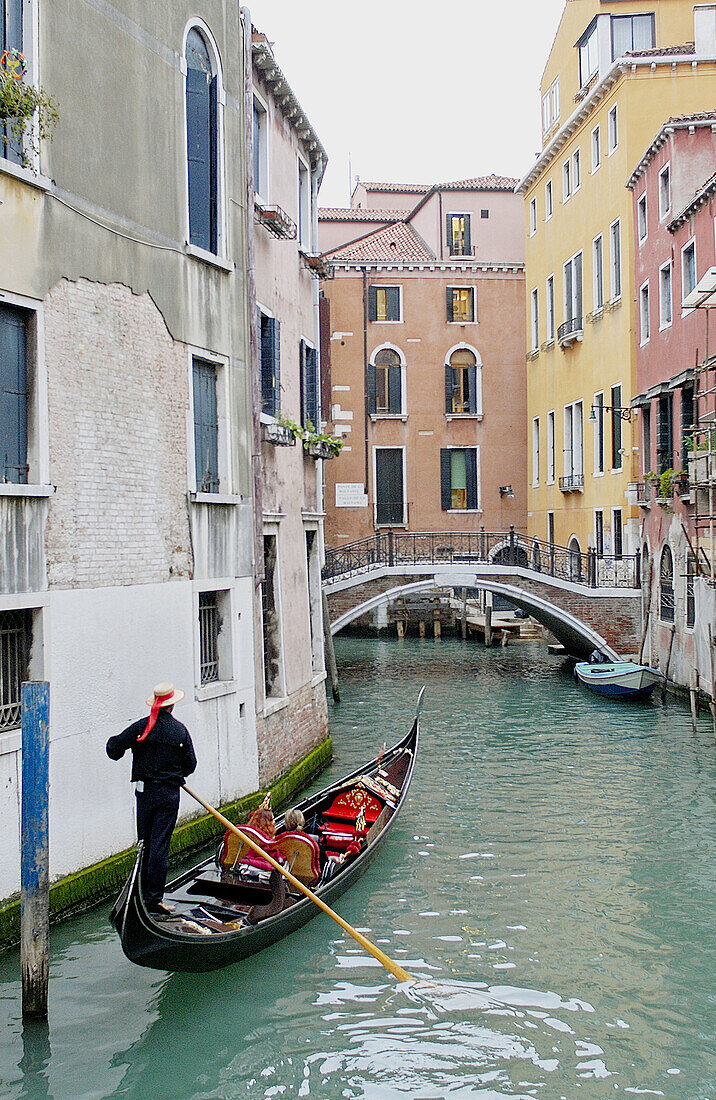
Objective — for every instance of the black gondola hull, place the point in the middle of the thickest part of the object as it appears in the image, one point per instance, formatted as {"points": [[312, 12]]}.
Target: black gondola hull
{"points": [[148, 942]]}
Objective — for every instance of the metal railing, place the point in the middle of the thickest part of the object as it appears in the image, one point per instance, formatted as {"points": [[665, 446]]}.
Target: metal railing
{"points": [[499, 548], [570, 330], [571, 483]]}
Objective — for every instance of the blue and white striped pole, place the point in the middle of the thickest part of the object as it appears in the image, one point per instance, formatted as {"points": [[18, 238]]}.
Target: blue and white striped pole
{"points": [[34, 850]]}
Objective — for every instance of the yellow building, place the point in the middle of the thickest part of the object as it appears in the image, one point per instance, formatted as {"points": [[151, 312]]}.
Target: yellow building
{"points": [[616, 72]]}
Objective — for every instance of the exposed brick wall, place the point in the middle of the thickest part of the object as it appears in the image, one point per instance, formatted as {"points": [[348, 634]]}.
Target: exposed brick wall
{"points": [[287, 735], [616, 618], [118, 395]]}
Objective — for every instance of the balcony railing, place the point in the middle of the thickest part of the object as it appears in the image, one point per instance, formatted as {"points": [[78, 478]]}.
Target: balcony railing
{"points": [[570, 331], [499, 548], [572, 483]]}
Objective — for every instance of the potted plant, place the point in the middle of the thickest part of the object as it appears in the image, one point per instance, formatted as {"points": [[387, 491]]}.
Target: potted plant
{"points": [[20, 105], [315, 443]]}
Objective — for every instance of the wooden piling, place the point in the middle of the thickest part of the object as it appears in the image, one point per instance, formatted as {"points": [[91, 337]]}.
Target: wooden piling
{"points": [[437, 626], [668, 662], [400, 626], [330, 651], [421, 628], [694, 698], [713, 679], [34, 851], [463, 620], [488, 626]]}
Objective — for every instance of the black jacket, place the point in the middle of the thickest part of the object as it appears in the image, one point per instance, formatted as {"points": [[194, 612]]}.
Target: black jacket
{"points": [[166, 756]]}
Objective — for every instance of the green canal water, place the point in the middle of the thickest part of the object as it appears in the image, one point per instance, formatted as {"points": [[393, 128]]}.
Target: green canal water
{"points": [[551, 883]]}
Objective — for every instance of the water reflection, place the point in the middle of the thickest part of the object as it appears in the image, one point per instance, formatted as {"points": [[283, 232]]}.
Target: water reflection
{"points": [[549, 884]]}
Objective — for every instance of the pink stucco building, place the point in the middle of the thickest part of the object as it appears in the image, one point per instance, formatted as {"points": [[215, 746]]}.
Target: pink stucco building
{"points": [[674, 195]]}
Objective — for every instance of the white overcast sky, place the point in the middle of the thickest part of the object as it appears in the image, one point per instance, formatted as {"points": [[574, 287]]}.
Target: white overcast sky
{"points": [[415, 92]]}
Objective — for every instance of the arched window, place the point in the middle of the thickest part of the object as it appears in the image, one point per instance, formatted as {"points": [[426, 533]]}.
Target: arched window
{"points": [[385, 383], [461, 383], [666, 586], [202, 142], [575, 560]]}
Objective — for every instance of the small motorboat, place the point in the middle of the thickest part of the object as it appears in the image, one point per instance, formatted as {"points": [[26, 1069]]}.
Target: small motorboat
{"points": [[618, 679], [225, 908]]}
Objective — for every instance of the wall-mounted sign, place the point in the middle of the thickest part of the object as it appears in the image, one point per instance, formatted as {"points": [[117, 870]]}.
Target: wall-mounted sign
{"points": [[350, 495]]}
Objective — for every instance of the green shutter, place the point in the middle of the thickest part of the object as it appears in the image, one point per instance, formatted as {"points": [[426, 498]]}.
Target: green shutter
{"points": [[449, 387], [471, 477], [392, 303], [468, 249], [445, 483], [372, 303], [472, 389], [449, 302], [371, 388], [394, 401]]}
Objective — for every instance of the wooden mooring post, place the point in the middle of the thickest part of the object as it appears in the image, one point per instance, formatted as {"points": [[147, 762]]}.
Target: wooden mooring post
{"points": [[330, 651], [463, 616], [34, 850], [488, 626]]}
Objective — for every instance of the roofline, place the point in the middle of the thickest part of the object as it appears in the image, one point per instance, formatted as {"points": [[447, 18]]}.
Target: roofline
{"points": [[666, 130], [516, 266], [620, 67], [701, 196], [264, 62]]}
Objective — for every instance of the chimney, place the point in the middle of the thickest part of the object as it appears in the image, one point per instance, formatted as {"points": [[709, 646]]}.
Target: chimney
{"points": [[705, 30]]}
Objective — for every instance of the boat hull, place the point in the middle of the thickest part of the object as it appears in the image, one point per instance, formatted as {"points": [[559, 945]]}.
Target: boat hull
{"points": [[619, 680], [148, 942]]}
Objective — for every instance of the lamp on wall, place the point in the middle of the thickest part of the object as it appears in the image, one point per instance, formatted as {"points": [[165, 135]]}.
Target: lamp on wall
{"points": [[506, 491], [625, 414]]}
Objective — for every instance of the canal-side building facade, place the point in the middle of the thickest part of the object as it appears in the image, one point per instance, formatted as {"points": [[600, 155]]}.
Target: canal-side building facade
{"points": [[673, 189], [423, 322], [615, 71], [126, 533], [288, 162]]}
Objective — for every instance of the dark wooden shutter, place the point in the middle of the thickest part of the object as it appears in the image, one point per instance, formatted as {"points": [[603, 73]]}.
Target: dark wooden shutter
{"points": [[389, 485], [468, 247], [472, 389], [394, 388], [311, 386], [371, 389], [372, 303], [665, 433], [10, 38], [206, 428], [471, 476], [449, 387], [445, 480], [449, 302], [199, 152], [13, 395], [393, 303], [448, 233], [270, 362]]}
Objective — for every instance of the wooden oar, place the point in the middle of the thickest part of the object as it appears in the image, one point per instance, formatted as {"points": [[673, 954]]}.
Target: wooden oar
{"points": [[393, 968]]}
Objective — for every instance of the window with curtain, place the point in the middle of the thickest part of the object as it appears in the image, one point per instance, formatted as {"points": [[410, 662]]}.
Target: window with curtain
{"points": [[460, 304], [201, 143], [384, 303], [458, 234], [458, 479], [632, 32]]}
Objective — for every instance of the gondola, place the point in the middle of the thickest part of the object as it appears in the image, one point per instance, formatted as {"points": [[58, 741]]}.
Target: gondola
{"points": [[224, 908]]}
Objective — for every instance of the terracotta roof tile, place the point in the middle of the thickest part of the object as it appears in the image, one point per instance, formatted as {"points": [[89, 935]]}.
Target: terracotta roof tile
{"points": [[417, 188], [482, 183], [396, 242], [359, 214], [664, 51]]}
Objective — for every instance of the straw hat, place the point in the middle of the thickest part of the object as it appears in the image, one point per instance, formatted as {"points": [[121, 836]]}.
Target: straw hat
{"points": [[165, 695]]}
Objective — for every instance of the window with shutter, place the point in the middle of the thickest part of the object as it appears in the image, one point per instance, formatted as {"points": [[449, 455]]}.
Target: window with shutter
{"points": [[201, 143], [461, 304], [458, 234], [385, 389], [389, 491], [13, 395], [309, 386], [458, 479], [384, 303], [269, 350], [206, 427], [461, 383]]}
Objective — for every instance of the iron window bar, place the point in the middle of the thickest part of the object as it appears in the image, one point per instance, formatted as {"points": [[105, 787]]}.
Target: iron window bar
{"points": [[209, 626]]}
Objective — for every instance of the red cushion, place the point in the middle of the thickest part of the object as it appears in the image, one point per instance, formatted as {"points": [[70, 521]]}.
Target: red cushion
{"points": [[347, 805]]}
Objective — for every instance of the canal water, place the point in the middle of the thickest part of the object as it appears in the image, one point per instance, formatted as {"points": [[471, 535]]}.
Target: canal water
{"points": [[550, 884]]}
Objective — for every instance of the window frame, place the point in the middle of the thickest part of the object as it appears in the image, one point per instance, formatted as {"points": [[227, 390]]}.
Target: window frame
{"points": [[220, 365], [598, 273], [587, 39], [534, 319], [475, 493], [666, 303], [573, 414], [549, 308], [664, 189], [477, 412], [685, 288], [617, 534], [304, 202], [642, 217], [262, 185], [551, 462], [576, 296], [598, 404], [310, 402], [373, 289], [533, 216], [451, 319], [274, 399], [273, 530], [396, 523], [576, 170], [615, 260], [219, 229], [383, 414], [599, 532], [548, 200], [612, 130], [29, 47], [467, 248], [667, 603], [37, 405], [225, 681], [566, 180], [644, 314], [617, 433], [596, 147], [535, 451], [631, 16]]}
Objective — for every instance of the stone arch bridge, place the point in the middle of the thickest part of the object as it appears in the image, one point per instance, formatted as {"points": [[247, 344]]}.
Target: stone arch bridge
{"points": [[587, 601]]}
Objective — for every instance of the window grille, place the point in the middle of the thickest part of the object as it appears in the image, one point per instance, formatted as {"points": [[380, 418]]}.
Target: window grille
{"points": [[666, 578], [209, 628], [15, 642]]}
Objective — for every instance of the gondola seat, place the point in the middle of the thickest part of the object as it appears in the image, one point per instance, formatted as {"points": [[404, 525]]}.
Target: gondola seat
{"points": [[339, 820], [235, 854], [301, 854]]}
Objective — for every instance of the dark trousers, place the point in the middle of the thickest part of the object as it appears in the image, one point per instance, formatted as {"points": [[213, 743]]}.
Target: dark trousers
{"points": [[157, 809]]}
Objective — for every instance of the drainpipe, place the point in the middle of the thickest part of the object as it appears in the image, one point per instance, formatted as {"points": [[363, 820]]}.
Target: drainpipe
{"points": [[316, 177]]}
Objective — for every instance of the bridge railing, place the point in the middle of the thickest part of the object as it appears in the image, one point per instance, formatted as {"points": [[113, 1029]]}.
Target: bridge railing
{"points": [[506, 548]]}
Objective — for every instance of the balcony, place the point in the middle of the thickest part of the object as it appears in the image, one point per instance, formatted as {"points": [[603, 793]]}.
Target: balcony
{"points": [[572, 483], [279, 434], [570, 331], [276, 221]]}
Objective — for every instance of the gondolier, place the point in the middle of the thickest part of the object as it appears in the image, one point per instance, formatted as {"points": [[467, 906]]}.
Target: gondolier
{"points": [[162, 756]]}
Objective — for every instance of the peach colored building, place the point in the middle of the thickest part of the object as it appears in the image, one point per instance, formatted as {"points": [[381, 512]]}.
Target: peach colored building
{"points": [[424, 368]]}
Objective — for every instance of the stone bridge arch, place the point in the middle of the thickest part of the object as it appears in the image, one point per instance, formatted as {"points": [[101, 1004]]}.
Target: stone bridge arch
{"points": [[582, 620]]}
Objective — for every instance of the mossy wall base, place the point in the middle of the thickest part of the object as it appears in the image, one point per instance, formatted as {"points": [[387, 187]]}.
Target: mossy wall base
{"points": [[92, 884]]}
